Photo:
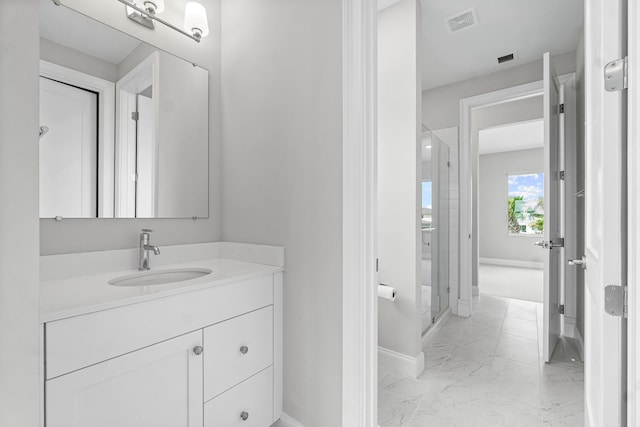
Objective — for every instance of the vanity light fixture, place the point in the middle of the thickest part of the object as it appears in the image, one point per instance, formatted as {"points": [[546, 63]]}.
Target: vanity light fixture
{"points": [[195, 19]]}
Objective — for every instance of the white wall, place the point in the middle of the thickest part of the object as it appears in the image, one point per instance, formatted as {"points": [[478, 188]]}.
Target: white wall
{"points": [[282, 99], [182, 155], [76, 60], [19, 277], [81, 235], [441, 106], [399, 164], [494, 240], [133, 59]]}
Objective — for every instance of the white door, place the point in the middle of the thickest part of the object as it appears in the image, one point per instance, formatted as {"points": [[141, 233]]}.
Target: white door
{"points": [[633, 209], [68, 151], [552, 232], [603, 340], [157, 386], [146, 174]]}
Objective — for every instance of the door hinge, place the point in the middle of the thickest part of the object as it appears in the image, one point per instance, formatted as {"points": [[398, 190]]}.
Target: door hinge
{"points": [[448, 290], [561, 309], [615, 300], [557, 244], [135, 115], [561, 175], [561, 108], [615, 75], [376, 265]]}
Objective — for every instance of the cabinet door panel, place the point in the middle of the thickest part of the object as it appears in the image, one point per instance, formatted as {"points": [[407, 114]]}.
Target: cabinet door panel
{"points": [[237, 349], [156, 386], [253, 397]]}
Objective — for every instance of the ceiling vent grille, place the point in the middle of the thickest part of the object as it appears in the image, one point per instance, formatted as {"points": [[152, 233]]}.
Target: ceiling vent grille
{"points": [[506, 58], [462, 20]]}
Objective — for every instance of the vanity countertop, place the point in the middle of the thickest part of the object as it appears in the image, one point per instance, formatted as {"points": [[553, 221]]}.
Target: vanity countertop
{"points": [[63, 297]]}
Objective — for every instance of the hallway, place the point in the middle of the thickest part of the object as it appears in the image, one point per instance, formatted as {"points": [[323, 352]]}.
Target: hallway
{"points": [[485, 371]]}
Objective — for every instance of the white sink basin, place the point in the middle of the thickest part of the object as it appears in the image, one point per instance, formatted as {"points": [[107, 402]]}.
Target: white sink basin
{"points": [[159, 277]]}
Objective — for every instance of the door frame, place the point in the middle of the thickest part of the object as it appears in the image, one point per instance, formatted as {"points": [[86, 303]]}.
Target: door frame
{"points": [[633, 218], [462, 295], [359, 201], [143, 75]]}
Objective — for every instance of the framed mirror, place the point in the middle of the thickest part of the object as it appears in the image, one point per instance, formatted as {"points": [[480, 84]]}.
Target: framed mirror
{"points": [[123, 125]]}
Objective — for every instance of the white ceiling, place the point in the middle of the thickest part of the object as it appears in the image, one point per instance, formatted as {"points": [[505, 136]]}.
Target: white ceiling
{"points": [[512, 137], [76, 31], [528, 27]]}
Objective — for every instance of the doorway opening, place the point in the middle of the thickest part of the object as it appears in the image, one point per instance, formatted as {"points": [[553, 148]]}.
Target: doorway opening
{"points": [[490, 122], [510, 199]]}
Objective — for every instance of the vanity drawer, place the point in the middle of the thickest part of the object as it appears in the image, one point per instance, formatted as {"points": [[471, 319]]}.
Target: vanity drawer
{"points": [[251, 399], [80, 341], [237, 349]]}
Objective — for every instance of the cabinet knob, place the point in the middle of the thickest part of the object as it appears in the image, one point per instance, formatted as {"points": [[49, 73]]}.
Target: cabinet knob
{"points": [[198, 350], [244, 415], [244, 349]]}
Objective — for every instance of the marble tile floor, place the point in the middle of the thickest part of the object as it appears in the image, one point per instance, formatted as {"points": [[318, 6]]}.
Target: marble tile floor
{"points": [[486, 371]]}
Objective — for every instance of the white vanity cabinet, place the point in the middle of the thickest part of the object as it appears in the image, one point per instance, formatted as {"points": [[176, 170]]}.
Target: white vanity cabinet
{"points": [[206, 357], [160, 385]]}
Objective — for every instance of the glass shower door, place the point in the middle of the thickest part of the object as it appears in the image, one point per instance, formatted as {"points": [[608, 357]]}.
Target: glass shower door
{"points": [[434, 229]]}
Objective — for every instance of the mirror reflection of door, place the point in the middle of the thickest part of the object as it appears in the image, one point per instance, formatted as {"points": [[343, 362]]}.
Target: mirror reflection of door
{"points": [[145, 156], [68, 151], [136, 140]]}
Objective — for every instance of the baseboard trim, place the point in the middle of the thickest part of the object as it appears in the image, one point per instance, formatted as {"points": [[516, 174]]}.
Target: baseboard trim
{"points": [[287, 421], [400, 363], [464, 308], [512, 263], [433, 330], [579, 343]]}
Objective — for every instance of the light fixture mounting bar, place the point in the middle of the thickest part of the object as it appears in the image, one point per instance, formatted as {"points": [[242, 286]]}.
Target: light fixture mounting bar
{"points": [[150, 16]]}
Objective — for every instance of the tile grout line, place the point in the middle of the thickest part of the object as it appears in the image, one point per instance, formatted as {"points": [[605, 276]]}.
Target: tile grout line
{"points": [[495, 349], [416, 410]]}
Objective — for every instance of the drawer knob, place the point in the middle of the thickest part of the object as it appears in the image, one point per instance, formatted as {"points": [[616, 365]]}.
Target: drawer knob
{"points": [[244, 415], [198, 350], [244, 349]]}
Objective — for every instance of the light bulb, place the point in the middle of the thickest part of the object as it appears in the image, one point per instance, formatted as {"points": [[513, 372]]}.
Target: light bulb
{"points": [[195, 20]]}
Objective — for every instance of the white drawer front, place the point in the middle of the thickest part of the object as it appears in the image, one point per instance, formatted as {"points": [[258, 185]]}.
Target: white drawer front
{"points": [[81, 341], [252, 399], [237, 349]]}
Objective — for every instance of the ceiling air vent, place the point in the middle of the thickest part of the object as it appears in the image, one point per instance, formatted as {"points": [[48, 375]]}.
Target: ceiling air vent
{"points": [[506, 58], [462, 20]]}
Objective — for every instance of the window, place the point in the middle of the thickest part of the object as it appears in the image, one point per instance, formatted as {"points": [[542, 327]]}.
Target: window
{"points": [[525, 207], [427, 206]]}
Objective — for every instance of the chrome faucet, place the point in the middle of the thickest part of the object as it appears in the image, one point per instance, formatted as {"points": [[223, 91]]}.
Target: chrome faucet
{"points": [[145, 247]]}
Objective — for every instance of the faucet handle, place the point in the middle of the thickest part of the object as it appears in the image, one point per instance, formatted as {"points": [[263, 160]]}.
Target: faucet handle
{"points": [[147, 230]]}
